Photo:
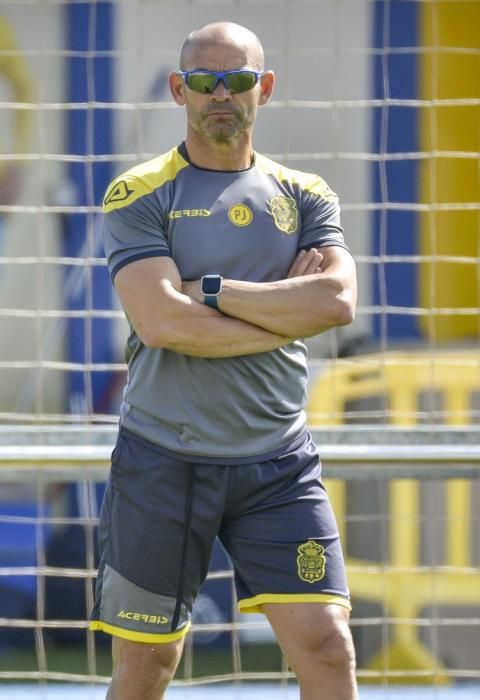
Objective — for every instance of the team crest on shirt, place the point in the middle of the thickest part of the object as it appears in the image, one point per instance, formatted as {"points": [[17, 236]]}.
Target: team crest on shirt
{"points": [[311, 561], [285, 213]]}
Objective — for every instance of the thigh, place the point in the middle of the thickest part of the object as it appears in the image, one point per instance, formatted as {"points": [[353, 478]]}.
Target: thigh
{"points": [[282, 535], [155, 541]]}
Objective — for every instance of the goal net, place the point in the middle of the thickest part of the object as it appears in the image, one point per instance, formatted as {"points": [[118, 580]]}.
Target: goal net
{"points": [[381, 98], [407, 506]]}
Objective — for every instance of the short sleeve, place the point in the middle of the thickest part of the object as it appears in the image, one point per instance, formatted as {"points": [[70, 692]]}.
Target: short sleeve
{"points": [[132, 232], [320, 210]]}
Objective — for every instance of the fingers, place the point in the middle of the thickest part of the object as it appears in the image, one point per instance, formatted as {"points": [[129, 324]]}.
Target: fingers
{"points": [[307, 262]]}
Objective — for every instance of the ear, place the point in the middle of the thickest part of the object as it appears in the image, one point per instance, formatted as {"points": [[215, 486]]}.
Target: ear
{"points": [[267, 82], [177, 88]]}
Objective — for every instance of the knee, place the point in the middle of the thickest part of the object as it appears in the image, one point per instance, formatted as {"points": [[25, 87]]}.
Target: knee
{"points": [[330, 647], [145, 668], [337, 649]]}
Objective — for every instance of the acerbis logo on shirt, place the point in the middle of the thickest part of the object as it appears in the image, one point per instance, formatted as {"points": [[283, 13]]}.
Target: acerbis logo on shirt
{"points": [[185, 213]]}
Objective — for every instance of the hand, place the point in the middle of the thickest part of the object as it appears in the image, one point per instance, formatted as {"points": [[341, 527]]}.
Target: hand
{"points": [[307, 262]]}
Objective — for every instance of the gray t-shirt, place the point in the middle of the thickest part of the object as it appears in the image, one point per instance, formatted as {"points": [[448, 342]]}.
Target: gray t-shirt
{"points": [[246, 225]]}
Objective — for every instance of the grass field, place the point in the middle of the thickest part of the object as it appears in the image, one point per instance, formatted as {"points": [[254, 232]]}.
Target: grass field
{"points": [[206, 662], [254, 658]]}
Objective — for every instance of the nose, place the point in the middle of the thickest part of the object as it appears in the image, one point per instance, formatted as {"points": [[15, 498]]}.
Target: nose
{"points": [[221, 89]]}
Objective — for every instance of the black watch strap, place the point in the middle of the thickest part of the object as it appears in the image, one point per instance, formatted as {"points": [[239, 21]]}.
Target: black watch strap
{"points": [[210, 300]]}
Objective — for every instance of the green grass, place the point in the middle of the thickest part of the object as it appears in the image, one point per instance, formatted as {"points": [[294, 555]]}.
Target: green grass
{"points": [[206, 661]]}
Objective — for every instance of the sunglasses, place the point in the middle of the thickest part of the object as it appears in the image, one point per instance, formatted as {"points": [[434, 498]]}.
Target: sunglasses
{"points": [[206, 81]]}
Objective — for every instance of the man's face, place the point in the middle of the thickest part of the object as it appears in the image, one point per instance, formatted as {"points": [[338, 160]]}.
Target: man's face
{"points": [[221, 116]]}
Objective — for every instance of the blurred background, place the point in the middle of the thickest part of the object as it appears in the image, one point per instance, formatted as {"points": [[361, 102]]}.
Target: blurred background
{"points": [[382, 99]]}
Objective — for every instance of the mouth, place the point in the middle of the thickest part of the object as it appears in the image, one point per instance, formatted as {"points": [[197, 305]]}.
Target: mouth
{"points": [[222, 112]]}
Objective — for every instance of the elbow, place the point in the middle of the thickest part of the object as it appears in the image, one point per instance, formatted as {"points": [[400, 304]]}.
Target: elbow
{"points": [[153, 337], [166, 336], [344, 313], [341, 312], [336, 307], [343, 299], [150, 340], [168, 332], [344, 305]]}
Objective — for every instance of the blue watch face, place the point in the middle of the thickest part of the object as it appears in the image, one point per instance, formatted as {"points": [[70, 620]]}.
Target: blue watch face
{"points": [[211, 284]]}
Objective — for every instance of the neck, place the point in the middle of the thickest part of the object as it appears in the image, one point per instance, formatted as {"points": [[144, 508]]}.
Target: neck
{"points": [[236, 155]]}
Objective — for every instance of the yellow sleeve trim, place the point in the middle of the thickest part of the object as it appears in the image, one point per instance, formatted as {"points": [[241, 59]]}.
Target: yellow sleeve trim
{"points": [[255, 604], [98, 625], [307, 181], [143, 179]]}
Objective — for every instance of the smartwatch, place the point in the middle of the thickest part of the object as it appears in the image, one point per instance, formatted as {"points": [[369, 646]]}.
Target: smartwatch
{"points": [[211, 286]]}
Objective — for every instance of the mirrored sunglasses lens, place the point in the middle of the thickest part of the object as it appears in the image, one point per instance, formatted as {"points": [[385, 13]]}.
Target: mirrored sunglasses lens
{"points": [[240, 82], [201, 82]]}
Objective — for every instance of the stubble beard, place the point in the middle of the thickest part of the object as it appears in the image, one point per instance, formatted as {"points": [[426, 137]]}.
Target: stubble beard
{"points": [[221, 130]]}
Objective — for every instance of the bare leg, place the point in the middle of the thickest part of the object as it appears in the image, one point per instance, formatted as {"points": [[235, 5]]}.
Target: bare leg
{"points": [[316, 641], [142, 671]]}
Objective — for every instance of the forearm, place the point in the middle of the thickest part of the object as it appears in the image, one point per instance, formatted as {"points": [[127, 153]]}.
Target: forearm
{"points": [[200, 331], [222, 336], [164, 317], [318, 293], [300, 306]]}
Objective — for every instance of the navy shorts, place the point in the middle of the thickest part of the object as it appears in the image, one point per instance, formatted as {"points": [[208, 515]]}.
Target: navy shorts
{"points": [[159, 520]]}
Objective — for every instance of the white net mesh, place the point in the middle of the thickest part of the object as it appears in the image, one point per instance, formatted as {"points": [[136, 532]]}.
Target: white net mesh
{"points": [[407, 506], [382, 99], [364, 97]]}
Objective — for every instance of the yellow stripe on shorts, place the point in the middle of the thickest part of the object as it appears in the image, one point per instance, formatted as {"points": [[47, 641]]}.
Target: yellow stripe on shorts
{"points": [[255, 604]]}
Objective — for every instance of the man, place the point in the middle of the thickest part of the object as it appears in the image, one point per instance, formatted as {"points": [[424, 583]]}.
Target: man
{"points": [[222, 259]]}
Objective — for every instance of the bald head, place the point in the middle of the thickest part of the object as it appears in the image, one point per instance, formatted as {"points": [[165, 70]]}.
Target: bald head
{"points": [[224, 42]]}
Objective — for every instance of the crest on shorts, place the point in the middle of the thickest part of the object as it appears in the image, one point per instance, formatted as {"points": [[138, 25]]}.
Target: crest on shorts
{"points": [[285, 213], [311, 561]]}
